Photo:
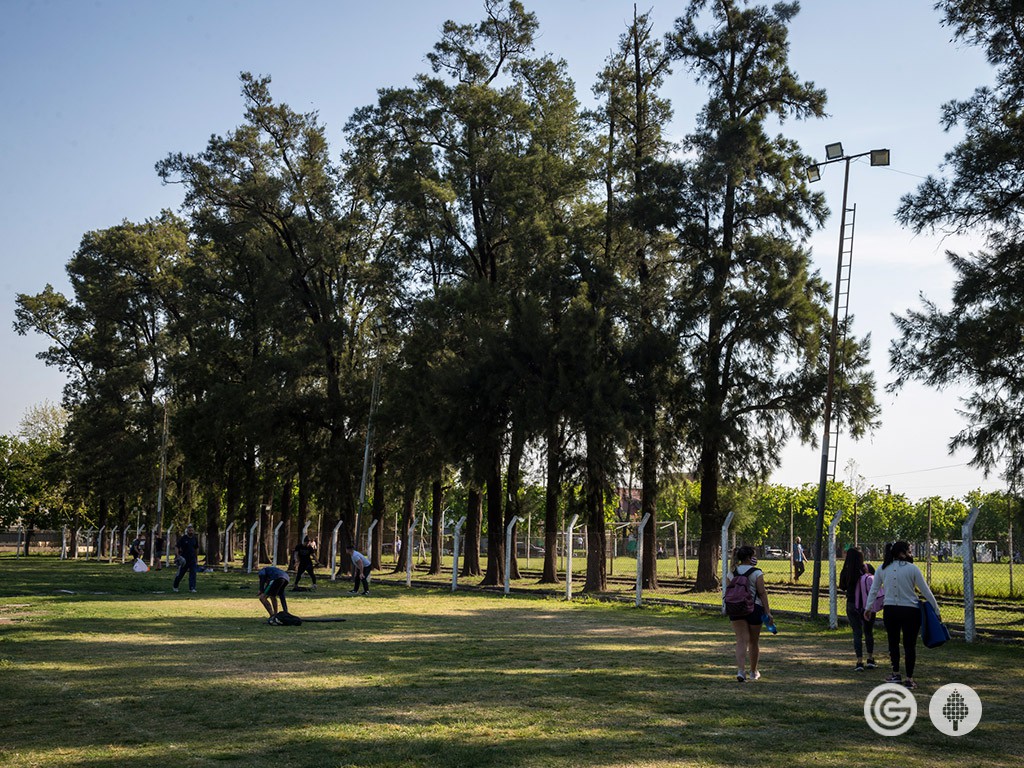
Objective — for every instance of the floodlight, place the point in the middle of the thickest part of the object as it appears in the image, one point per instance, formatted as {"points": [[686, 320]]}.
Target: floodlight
{"points": [[879, 156], [834, 151], [813, 173]]}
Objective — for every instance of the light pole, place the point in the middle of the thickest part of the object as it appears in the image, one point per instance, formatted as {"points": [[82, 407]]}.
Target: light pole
{"points": [[833, 154], [374, 393]]}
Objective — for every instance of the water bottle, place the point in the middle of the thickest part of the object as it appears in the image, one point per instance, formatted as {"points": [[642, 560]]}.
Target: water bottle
{"points": [[769, 624]]}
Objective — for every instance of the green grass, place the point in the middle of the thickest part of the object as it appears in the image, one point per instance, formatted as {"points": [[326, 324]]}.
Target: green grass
{"points": [[125, 672]]}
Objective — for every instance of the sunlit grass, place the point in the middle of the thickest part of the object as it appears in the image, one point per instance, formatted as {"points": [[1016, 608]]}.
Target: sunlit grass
{"points": [[426, 678]]}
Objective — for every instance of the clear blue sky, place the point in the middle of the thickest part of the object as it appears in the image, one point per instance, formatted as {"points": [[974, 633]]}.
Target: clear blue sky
{"points": [[95, 93]]}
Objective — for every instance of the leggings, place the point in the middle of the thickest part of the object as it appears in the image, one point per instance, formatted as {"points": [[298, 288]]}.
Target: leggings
{"points": [[902, 618], [861, 628], [304, 567]]}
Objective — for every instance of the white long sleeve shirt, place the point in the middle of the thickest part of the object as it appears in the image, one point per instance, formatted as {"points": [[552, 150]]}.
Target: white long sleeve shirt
{"points": [[900, 579]]}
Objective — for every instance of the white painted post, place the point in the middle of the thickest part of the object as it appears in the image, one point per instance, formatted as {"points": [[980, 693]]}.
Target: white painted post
{"points": [[277, 530], [967, 534], [124, 544], [369, 539], [675, 538], [686, 536], [508, 549], [334, 551], [529, 520], [410, 550], [455, 552], [725, 554], [64, 543], [1010, 544], [568, 570], [252, 539], [833, 616], [167, 545], [21, 531], [99, 541], [227, 544], [640, 558]]}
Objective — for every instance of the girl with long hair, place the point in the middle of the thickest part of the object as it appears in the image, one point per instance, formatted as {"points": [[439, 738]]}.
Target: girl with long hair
{"points": [[748, 628], [899, 577], [851, 581]]}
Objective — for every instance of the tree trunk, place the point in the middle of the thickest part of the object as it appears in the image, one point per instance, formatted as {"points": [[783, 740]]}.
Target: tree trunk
{"points": [[648, 500], [436, 527], [512, 495], [232, 496], [551, 497], [471, 553], [377, 512], [212, 525], [251, 510], [495, 573], [285, 536], [101, 521], [710, 524], [597, 575], [408, 509], [266, 521], [303, 507]]}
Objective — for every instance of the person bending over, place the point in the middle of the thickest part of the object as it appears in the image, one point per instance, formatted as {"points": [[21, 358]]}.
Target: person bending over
{"points": [[360, 571], [273, 582]]}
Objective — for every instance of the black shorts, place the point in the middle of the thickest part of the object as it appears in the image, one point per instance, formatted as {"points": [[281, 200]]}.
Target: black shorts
{"points": [[275, 588], [753, 618]]}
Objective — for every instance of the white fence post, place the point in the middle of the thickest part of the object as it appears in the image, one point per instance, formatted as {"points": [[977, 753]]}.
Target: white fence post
{"points": [[568, 570], [64, 543], [252, 539], [833, 616], [508, 549], [227, 543], [99, 542], [455, 552], [967, 533], [21, 531], [124, 543], [334, 551], [640, 559], [725, 554], [277, 529], [167, 545], [369, 539], [410, 552]]}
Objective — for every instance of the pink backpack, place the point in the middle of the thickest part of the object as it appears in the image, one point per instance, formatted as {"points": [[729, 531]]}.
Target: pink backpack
{"points": [[864, 589]]}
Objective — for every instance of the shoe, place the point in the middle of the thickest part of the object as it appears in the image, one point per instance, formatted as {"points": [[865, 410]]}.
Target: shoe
{"points": [[910, 684], [859, 667], [353, 592], [895, 677], [754, 676], [313, 588], [741, 677], [871, 664], [366, 591], [174, 588], [193, 590]]}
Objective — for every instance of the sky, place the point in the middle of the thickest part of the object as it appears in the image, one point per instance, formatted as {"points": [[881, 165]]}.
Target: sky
{"points": [[94, 93]]}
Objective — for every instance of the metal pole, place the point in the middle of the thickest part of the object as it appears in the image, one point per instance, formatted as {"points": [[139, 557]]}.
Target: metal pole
{"points": [[829, 393], [17, 552], [967, 533], [277, 529], [928, 553], [675, 538], [369, 538], [99, 542], [509, 529], [124, 543], [792, 566], [374, 390], [334, 550], [252, 537], [227, 539], [64, 543], [1010, 543], [455, 552], [833, 616], [725, 555], [686, 539], [163, 480], [529, 520], [640, 558], [568, 572]]}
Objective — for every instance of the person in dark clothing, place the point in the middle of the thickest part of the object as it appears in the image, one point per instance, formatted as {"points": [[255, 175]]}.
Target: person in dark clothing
{"points": [[850, 582], [137, 549], [304, 554], [799, 559], [188, 552], [273, 582]]}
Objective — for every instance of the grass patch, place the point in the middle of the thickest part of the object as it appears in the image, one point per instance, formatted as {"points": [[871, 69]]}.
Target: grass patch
{"points": [[124, 671]]}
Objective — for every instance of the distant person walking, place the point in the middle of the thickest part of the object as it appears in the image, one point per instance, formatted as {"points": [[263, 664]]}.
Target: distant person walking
{"points": [[748, 627], [855, 582], [188, 554], [899, 577], [273, 582], [304, 553], [798, 559], [360, 571]]}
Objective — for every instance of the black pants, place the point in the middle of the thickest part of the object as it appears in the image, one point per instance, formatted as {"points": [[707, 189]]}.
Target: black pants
{"points": [[365, 580], [798, 569], [906, 620], [191, 567], [304, 568], [861, 629]]}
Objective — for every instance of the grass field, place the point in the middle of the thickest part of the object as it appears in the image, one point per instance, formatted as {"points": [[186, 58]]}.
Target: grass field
{"points": [[117, 670]]}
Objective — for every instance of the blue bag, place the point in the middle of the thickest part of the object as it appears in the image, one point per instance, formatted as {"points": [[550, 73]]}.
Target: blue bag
{"points": [[933, 631]]}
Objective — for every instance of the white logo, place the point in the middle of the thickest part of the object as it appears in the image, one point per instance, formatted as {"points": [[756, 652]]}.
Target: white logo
{"points": [[955, 709], [890, 709]]}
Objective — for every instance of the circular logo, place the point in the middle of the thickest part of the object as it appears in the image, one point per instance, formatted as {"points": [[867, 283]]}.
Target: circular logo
{"points": [[890, 709], [955, 709]]}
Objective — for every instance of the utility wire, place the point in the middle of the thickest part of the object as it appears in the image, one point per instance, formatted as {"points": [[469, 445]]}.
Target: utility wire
{"points": [[917, 471]]}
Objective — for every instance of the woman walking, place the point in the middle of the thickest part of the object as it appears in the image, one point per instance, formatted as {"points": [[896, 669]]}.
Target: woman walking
{"points": [[855, 581], [748, 627], [899, 577]]}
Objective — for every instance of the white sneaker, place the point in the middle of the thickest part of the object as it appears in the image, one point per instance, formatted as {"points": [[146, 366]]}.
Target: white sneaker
{"points": [[741, 676], [754, 676]]}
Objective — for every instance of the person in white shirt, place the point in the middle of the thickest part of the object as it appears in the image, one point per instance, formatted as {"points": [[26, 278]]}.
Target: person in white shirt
{"points": [[901, 580], [360, 571]]}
